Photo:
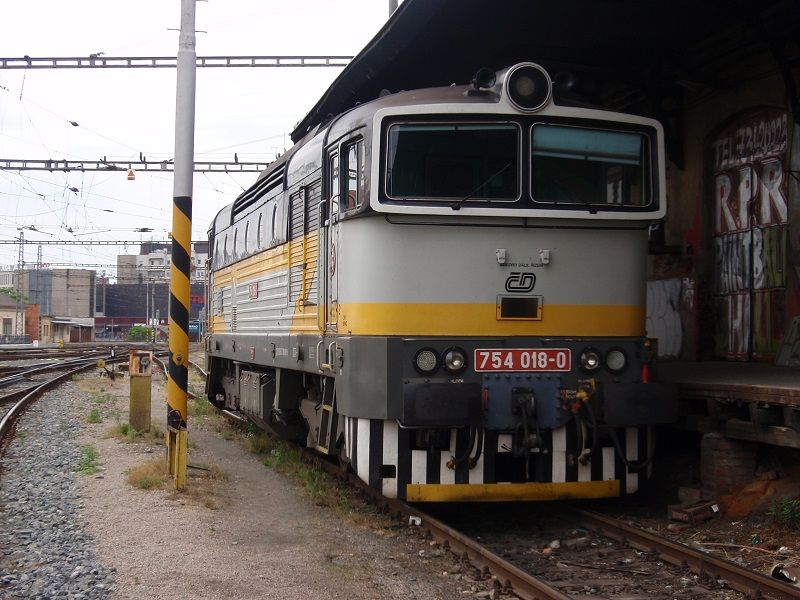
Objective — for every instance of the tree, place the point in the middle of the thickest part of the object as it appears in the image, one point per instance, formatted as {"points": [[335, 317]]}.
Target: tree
{"points": [[139, 333], [12, 293]]}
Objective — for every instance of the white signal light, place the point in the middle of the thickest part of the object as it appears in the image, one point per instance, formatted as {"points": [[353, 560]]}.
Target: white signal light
{"points": [[426, 361]]}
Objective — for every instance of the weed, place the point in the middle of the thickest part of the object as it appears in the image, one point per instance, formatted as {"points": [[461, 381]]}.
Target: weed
{"points": [[260, 443], [217, 474], [323, 488], [88, 461], [287, 459], [786, 511], [94, 416], [149, 475], [125, 433], [200, 407], [100, 398]]}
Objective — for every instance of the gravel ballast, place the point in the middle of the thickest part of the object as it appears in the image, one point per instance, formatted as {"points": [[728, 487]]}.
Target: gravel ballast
{"points": [[46, 550]]}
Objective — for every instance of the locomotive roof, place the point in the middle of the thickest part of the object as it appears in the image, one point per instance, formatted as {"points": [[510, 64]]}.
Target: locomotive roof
{"points": [[618, 49]]}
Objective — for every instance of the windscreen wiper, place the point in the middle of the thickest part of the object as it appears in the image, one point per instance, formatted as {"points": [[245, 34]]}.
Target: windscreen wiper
{"points": [[457, 205]]}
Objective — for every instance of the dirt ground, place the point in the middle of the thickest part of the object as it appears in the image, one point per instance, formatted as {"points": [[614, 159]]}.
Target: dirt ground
{"points": [[241, 530]]}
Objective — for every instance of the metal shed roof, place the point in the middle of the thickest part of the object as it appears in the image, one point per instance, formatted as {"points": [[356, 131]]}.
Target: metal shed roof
{"points": [[635, 55]]}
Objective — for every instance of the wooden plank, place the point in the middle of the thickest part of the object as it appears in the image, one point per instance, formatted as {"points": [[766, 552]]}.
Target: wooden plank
{"points": [[742, 430], [748, 393]]}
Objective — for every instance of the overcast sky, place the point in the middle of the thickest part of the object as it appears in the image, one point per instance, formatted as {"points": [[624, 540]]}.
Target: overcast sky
{"points": [[124, 112]]}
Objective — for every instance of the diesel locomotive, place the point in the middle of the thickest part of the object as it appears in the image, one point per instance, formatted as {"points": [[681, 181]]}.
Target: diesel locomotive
{"points": [[445, 289]]}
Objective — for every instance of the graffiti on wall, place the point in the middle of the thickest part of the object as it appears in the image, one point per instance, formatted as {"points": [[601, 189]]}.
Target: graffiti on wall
{"points": [[750, 235], [664, 298]]}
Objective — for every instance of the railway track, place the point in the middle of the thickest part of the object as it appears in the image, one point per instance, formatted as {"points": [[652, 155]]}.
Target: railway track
{"points": [[21, 399], [15, 402], [23, 373], [710, 571], [11, 354], [744, 580]]}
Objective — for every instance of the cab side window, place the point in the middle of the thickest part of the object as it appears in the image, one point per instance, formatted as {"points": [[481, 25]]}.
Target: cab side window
{"points": [[333, 184], [354, 175]]}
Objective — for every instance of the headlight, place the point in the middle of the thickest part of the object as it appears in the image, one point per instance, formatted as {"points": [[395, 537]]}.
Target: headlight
{"points": [[528, 87], [590, 359], [455, 360], [616, 361], [426, 361]]}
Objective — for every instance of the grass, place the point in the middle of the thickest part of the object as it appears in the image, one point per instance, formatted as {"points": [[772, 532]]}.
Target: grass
{"points": [[156, 431], [260, 443], [323, 488], [287, 459], [786, 511], [200, 407], [200, 488], [125, 433], [149, 475], [94, 416], [88, 461], [101, 398]]}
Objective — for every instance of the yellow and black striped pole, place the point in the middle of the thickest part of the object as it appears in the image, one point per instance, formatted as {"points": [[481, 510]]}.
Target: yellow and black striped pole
{"points": [[177, 385], [179, 292]]}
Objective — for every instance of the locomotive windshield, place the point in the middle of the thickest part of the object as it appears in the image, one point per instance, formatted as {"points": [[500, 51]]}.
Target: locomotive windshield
{"points": [[561, 165], [573, 165], [453, 160]]}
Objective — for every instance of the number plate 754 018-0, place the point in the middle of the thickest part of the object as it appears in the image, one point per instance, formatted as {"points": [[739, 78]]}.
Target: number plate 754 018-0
{"points": [[522, 359]]}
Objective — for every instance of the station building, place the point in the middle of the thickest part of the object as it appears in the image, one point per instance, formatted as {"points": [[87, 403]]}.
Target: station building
{"points": [[64, 301]]}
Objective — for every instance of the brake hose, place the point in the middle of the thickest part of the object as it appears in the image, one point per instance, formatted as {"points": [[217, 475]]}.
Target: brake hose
{"points": [[479, 450], [632, 468]]}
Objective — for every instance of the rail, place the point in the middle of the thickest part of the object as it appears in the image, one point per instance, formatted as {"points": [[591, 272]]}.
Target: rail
{"points": [[10, 418], [28, 395], [750, 583]]}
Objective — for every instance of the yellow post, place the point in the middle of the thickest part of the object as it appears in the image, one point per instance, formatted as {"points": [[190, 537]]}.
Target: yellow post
{"points": [[140, 369]]}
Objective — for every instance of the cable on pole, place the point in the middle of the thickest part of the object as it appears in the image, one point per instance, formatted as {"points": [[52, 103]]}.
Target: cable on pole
{"points": [[166, 166], [168, 62]]}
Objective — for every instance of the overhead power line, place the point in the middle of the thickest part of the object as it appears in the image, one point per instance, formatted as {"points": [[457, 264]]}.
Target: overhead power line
{"points": [[24, 164], [95, 61], [16, 241]]}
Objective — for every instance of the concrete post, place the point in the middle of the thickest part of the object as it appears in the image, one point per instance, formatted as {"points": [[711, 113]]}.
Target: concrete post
{"points": [[140, 368]]}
